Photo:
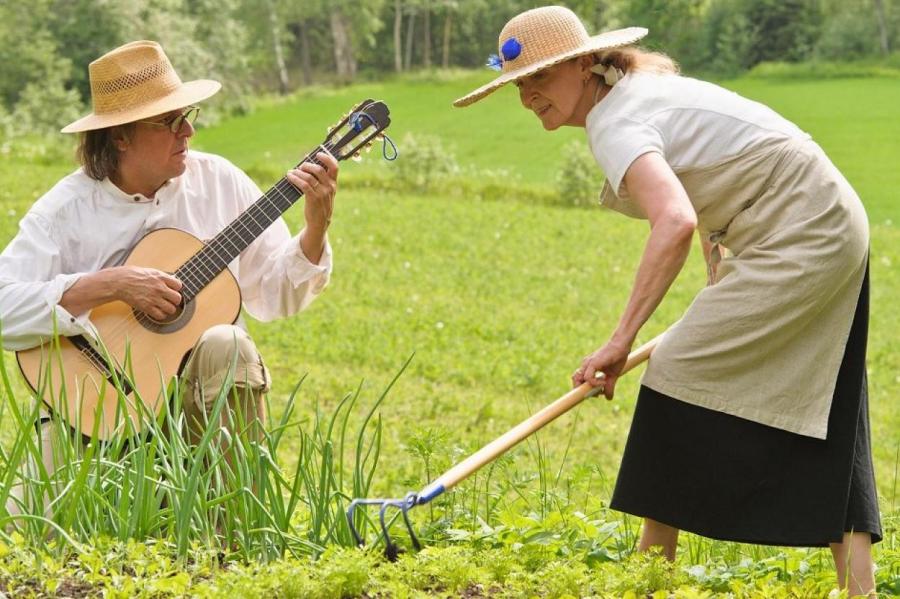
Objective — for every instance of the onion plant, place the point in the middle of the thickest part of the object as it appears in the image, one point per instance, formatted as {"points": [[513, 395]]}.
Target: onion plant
{"points": [[225, 491]]}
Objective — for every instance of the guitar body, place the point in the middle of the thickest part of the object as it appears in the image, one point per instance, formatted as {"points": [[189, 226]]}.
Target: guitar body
{"points": [[146, 353]]}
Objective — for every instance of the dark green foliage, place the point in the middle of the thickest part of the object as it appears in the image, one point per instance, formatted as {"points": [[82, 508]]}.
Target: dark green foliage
{"points": [[729, 38], [34, 73], [848, 35], [786, 29], [739, 34], [46, 45], [674, 27], [83, 30]]}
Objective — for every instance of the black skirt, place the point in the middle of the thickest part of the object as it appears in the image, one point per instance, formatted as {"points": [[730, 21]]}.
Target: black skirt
{"points": [[732, 479]]}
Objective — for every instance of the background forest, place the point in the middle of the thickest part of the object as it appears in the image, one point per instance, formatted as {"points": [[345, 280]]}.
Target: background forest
{"points": [[259, 46]]}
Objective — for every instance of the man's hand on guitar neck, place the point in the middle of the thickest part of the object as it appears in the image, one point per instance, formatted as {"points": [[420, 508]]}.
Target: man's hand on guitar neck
{"points": [[148, 290], [318, 182]]}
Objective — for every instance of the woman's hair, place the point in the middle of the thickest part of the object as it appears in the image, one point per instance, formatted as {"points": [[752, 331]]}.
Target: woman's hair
{"points": [[632, 58], [97, 150]]}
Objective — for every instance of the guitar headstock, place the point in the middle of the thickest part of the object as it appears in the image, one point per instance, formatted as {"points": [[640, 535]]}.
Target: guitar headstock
{"points": [[358, 130]]}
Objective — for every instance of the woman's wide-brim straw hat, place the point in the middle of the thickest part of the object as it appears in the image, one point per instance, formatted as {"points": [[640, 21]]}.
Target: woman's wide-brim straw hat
{"points": [[542, 37], [136, 81]]}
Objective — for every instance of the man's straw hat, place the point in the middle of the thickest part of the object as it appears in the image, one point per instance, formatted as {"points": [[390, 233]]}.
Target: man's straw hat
{"points": [[136, 81], [543, 37]]}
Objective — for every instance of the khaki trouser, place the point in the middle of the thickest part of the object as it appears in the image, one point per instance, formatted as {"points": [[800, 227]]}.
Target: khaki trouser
{"points": [[221, 351]]}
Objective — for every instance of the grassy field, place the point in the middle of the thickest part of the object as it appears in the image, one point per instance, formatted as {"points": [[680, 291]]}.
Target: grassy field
{"points": [[498, 298]]}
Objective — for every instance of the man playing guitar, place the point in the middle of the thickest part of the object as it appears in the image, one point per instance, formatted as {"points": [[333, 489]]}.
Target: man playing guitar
{"points": [[138, 176]]}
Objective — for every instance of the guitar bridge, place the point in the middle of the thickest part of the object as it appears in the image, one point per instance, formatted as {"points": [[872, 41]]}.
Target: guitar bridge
{"points": [[100, 363]]}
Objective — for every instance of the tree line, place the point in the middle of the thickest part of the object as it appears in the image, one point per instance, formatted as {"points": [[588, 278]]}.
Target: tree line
{"points": [[260, 46]]}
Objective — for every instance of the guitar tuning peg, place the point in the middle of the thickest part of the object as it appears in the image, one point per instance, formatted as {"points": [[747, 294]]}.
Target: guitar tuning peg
{"points": [[368, 147], [356, 157]]}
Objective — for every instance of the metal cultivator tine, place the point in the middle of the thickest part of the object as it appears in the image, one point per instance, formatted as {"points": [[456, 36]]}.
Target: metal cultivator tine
{"points": [[391, 549]]}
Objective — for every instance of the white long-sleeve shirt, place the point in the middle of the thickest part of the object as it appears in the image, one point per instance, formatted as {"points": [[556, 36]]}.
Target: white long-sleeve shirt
{"points": [[83, 225]]}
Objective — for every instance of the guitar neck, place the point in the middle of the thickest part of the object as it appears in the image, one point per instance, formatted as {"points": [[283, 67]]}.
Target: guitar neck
{"points": [[206, 264]]}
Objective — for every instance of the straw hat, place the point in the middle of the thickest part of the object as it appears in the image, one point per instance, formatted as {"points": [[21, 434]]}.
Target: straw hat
{"points": [[543, 37], [134, 82]]}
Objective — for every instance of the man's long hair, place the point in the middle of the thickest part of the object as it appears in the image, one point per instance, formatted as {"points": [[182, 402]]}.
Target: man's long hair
{"points": [[97, 151]]}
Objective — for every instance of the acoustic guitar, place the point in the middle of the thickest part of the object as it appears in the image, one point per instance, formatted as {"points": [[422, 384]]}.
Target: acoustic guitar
{"points": [[114, 384]]}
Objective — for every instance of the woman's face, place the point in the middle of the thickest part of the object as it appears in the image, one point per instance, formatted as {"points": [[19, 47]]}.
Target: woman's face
{"points": [[555, 93]]}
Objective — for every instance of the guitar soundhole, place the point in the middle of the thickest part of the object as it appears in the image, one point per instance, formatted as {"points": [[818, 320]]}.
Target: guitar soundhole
{"points": [[176, 321], [169, 319]]}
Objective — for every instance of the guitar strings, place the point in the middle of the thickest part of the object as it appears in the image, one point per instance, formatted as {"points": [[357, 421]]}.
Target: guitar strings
{"points": [[199, 262]]}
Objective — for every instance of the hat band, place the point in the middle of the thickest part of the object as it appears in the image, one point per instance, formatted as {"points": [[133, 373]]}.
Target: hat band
{"points": [[536, 53]]}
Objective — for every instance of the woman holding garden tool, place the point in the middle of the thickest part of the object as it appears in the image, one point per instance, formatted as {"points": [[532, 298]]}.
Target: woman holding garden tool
{"points": [[752, 422]]}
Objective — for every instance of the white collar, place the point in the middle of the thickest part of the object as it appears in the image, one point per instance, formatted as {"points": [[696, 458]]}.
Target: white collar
{"points": [[135, 198]]}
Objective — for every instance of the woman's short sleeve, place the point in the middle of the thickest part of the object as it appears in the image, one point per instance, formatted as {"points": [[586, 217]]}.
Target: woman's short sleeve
{"points": [[618, 143]]}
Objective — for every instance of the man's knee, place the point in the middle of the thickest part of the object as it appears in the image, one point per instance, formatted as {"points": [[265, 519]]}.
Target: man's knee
{"points": [[223, 350], [225, 358], [226, 343]]}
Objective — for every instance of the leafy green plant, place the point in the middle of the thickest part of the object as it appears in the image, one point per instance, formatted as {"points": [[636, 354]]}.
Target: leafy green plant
{"points": [[425, 163], [579, 179]]}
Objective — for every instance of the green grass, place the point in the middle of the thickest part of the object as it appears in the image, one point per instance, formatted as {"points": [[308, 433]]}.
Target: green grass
{"points": [[855, 120], [281, 133], [499, 300]]}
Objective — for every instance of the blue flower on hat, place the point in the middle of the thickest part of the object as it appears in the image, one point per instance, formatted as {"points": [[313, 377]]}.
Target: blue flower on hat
{"points": [[511, 49]]}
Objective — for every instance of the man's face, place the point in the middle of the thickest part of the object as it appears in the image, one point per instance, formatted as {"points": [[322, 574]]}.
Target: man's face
{"points": [[155, 151]]}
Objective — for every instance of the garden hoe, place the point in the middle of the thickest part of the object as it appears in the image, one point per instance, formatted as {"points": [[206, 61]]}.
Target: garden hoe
{"points": [[485, 455]]}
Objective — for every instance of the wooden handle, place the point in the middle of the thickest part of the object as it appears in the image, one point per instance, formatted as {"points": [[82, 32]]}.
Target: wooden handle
{"points": [[515, 435]]}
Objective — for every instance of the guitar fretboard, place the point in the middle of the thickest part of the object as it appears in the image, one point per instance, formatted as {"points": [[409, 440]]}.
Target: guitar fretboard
{"points": [[206, 264]]}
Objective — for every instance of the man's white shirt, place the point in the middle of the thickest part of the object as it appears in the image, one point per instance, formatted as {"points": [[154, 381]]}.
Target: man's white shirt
{"points": [[83, 225]]}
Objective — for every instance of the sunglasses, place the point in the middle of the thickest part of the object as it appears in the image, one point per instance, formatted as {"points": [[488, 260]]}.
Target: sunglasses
{"points": [[175, 122]]}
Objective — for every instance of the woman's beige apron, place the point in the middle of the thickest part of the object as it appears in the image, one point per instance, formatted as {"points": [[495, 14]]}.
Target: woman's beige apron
{"points": [[766, 340]]}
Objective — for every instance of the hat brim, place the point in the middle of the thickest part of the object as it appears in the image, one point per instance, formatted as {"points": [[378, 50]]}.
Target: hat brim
{"points": [[188, 93], [603, 41]]}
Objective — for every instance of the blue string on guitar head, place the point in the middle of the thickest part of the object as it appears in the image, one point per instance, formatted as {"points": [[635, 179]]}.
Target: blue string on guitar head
{"points": [[356, 124], [384, 146]]}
